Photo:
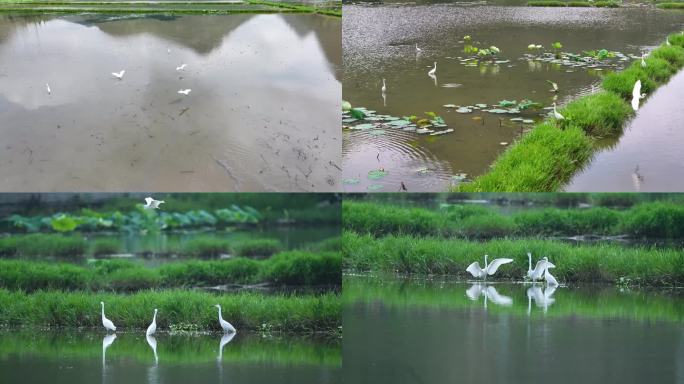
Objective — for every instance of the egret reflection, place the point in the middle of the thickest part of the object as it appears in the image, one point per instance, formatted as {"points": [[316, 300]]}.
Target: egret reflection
{"points": [[542, 299], [490, 294], [152, 342], [153, 371], [106, 343]]}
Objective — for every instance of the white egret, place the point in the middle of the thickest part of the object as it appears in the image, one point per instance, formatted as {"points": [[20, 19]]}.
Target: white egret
{"points": [[489, 269], [557, 115], [153, 327], [538, 271], [637, 95], [643, 62], [554, 85], [227, 327], [550, 280], [182, 67], [418, 50], [119, 75], [105, 321], [384, 86], [47, 86], [667, 41], [151, 203], [637, 179], [433, 70], [185, 91]]}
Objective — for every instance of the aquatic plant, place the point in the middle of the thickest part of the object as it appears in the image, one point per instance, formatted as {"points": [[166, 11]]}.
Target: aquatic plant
{"points": [[599, 114], [622, 83], [670, 5], [70, 247], [257, 247]]}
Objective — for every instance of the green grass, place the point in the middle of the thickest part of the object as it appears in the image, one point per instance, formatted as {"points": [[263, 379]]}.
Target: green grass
{"points": [[598, 115], [177, 309], [574, 263], [662, 220], [552, 3], [258, 247], [670, 5], [606, 4], [105, 247], [72, 247], [544, 160], [207, 246], [177, 349], [593, 302], [546, 3], [286, 268]]}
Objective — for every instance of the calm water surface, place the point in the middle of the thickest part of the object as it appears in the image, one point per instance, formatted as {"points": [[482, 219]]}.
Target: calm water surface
{"points": [[379, 42], [87, 357], [261, 116], [399, 331]]}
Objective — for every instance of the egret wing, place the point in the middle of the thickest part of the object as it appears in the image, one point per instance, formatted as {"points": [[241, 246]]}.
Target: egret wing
{"points": [[475, 269], [495, 264], [148, 200]]}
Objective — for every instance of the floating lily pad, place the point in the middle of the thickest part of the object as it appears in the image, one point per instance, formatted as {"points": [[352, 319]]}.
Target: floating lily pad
{"points": [[479, 105], [464, 110], [351, 181], [363, 127], [399, 123], [449, 105], [497, 110], [374, 187], [517, 119], [349, 120], [442, 132], [459, 177], [528, 121], [424, 131], [377, 132], [377, 174]]}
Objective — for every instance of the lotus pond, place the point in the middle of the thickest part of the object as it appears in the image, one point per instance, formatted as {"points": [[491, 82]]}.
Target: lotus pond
{"points": [[87, 357], [260, 116], [496, 67], [429, 331]]}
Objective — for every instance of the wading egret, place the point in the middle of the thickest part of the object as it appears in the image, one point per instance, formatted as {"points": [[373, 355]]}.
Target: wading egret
{"points": [[105, 321], [489, 269], [224, 324], [554, 85], [182, 67], [384, 86], [185, 91], [418, 50], [119, 75], [433, 70], [153, 327], [151, 203], [550, 280], [538, 271], [637, 95], [557, 115], [643, 62], [47, 86]]}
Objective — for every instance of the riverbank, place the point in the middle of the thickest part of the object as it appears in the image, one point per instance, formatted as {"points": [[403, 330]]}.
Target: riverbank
{"points": [[599, 263], [178, 310], [546, 159]]}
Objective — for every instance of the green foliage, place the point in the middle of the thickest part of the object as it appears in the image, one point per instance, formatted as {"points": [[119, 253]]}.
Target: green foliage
{"points": [[43, 245], [544, 160], [672, 54], [106, 246], [207, 246], [248, 311], [670, 5], [622, 83], [599, 114], [258, 247], [658, 70], [302, 268], [660, 220]]}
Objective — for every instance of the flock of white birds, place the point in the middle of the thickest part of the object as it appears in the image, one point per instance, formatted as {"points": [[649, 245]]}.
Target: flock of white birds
{"points": [[541, 269]]}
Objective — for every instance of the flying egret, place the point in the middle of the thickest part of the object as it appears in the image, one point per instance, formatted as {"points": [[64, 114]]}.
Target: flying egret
{"points": [[105, 321], [643, 62], [538, 271], [153, 327], [550, 280], [182, 67], [433, 70], [489, 269], [47, 86], [554, 85], [637, 179], [119, 75], [557, 115], [418, 50], [185, 91], [151, 203], [227, 327], [384, 86]]}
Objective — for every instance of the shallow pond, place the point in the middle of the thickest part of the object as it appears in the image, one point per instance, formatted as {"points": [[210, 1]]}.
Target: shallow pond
{"points": [[402, 331], [380, 42], [89, 357], [262, 114], [648, 154]]}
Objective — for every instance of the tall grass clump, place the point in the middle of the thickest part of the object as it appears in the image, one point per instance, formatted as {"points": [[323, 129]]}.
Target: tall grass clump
{"points": [[546, 3], [39, 244], [659, 220], [382, 219], [249, 311], [600, 114], [302, 268], [258, 247], [207, 246], [544, 160], [622, 83], [192, 273], [31, 276], [672, 54], [670, 5], [105, 247], [657, 69], [574, 263]]}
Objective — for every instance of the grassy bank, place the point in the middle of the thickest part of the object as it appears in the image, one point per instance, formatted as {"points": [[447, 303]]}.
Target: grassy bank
{"points": [[607, 303], [670, 5], [287, 268], [174, 349], [178, 310], [650, 219], [574, 263], [553, 3], [546, 159]]}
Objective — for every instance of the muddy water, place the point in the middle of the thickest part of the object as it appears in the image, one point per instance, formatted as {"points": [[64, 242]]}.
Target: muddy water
{"points": [[261, 116], [648, 155], [401, 331], [379, 42], [93, 357]]}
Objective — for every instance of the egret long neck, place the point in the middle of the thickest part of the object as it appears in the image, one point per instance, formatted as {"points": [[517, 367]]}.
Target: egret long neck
{"points": [[529, 261], [103, 316], [220, 318], [154, 318], [485, 266]]}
